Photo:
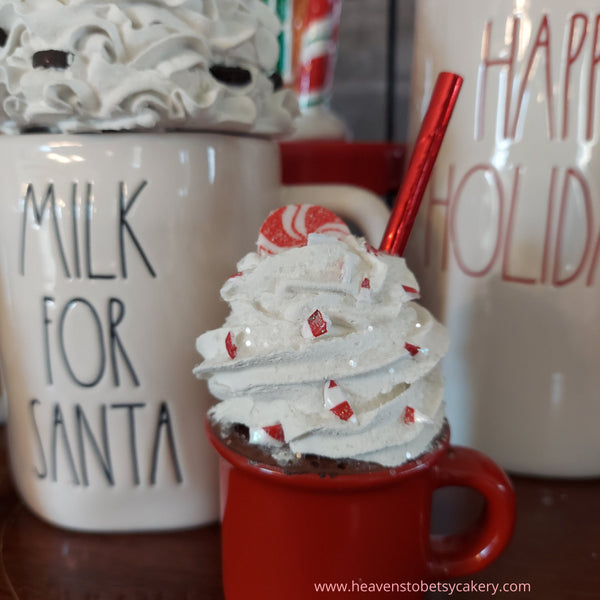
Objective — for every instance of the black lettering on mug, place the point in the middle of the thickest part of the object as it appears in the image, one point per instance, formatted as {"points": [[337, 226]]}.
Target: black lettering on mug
{"points": [[116, 313], [101, 454], [125, 206], [47, 301], [42, 473], [130, 408], [49, 201], [164, 422], [75, 210], [69, 307], [58, 424], [89, 214]]}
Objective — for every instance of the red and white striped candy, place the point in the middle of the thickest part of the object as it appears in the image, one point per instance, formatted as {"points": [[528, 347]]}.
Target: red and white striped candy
{"points": [[289, 227], [364, 293], [335, 401], [269, 435], [412, 415]]}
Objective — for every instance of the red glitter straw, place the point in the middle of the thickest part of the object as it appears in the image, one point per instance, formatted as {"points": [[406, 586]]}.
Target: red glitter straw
{"points": [[421, 163]]}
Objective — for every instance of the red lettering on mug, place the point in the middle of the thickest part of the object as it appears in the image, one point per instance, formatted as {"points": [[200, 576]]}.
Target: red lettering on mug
{"points": [[573, 52], [541, 44], [548, 231], [592, 82], [574, 176], [591, 278], [506, 276], [445, 203], [454, 210], [486, 63], [570, 221]]}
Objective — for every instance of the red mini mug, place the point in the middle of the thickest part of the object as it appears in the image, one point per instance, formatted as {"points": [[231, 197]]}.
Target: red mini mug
{"points": [[284, 536]]}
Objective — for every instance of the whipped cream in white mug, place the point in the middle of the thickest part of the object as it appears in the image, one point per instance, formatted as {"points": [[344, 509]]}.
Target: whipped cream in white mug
{"points": [[89, 65]]}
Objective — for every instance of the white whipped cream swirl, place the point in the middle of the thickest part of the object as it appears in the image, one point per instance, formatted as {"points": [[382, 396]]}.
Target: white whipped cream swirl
{"points": [[381, 349], [140, 64]]}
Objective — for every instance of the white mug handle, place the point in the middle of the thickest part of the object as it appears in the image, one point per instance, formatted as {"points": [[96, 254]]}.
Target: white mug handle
{"points": [[359, 206]]}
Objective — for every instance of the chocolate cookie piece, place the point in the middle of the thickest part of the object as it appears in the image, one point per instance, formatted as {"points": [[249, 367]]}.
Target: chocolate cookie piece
{"points": [[231, 75], [3, 37], [35, 129], [51, 59], [277, 81]]}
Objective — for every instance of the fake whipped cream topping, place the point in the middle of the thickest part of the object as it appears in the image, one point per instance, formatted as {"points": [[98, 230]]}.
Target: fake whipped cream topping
{"points": [[91, 65], [325, 350]]}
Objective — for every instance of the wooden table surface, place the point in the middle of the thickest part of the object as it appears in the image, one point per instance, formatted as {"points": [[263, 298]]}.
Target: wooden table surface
{"points": [[555, 548]]}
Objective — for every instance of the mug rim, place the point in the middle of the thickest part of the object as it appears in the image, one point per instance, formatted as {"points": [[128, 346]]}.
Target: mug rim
{"points": [[44, 135], [342, 482]]}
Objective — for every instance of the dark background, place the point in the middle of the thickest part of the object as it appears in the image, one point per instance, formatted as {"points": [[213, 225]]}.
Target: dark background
{"points": [[372, 85]]}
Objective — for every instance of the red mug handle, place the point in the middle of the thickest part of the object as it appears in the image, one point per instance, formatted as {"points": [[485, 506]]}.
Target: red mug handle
{"points": [[375, 166], [465, 553]]}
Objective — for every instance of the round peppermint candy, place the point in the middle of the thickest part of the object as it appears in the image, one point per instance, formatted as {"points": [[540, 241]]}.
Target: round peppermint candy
{"points": [[289, 227]]}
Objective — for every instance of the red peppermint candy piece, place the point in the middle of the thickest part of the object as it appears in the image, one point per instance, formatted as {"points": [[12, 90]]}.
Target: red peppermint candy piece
{"points": [[412, 349], [230, 346], [371, 249], [316, 325], [365, 289], [336, 402], [412, 415], [275, 431], [411, 290], [289, 226], [343, 411]]}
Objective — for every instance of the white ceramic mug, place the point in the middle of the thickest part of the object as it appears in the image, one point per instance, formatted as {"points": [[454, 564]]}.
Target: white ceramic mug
{"points": [[112, 252], [507, 243]]}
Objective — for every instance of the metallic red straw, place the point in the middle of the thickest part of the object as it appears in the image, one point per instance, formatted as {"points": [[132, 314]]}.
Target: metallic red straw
{"points": [[421, 163]]}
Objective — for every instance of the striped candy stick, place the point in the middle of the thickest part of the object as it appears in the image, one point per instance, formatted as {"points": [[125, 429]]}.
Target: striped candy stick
{"points": [[308, 46], [284, 9], [317, 50]]}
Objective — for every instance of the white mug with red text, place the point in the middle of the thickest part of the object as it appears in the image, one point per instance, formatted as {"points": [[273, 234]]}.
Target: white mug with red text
{"points": [[113, 248], [507, 243]]}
